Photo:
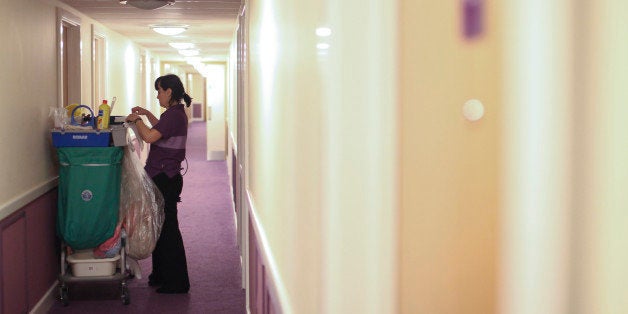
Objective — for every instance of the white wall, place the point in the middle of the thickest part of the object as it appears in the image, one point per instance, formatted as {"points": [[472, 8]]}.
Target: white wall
{"points": [[321, 163], [360, 155], [30, 89], [124, 77], [538, 151], [232, 92], [565, 234], [284, 145], [29, 86], [600, 237], [123, 62]]}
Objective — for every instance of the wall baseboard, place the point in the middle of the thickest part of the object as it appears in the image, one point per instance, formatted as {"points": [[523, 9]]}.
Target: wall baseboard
{"points": [[46, 302]]}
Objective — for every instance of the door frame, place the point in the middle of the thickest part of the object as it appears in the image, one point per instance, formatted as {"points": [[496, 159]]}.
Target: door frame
{"points": [[69, 58]]}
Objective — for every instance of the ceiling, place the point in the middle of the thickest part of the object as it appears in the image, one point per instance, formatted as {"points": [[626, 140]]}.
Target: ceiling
{"points": [[211, 24]]}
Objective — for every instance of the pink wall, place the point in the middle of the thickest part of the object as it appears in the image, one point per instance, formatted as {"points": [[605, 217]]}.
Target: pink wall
{"points": [[29, 263]]}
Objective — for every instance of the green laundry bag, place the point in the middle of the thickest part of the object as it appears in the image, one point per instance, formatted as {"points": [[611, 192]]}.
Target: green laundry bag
{"points": [[89, 194]]}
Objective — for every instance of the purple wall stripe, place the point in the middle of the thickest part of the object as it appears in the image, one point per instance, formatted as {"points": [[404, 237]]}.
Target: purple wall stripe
{"points": [[12, 267]]}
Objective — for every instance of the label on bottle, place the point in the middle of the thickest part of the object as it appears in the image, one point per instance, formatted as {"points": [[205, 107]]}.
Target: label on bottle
{"points": [[99, 123]]}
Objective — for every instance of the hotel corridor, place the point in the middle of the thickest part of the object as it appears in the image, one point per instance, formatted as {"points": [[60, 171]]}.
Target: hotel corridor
{"points": [[370, 157]]}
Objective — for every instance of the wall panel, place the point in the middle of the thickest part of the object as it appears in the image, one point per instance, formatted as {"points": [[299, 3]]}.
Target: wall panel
{"points": [[29, 262], [42, 245], [262, 299], [13, 268]]}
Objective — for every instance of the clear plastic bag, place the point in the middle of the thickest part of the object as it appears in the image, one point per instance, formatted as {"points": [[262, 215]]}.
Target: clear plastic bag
{"points": [[141, 207], [59, 117]]}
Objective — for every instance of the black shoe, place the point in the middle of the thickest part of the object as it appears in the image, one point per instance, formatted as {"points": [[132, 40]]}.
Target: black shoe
{"points": [[153, 281], [169, 290]]}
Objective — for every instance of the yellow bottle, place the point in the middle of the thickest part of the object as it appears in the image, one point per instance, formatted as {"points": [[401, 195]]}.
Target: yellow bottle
{"points": [[103, 116]]}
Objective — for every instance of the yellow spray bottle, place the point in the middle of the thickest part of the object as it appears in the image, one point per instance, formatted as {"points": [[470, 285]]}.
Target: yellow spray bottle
{"points": [[103, 116]]}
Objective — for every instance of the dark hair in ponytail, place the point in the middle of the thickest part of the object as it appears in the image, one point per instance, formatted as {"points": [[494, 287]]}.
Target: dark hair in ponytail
{"points": [[174, 83]]}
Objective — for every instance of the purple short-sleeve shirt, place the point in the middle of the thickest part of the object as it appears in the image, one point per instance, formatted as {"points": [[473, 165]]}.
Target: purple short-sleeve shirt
{"points": [[167, 153]]}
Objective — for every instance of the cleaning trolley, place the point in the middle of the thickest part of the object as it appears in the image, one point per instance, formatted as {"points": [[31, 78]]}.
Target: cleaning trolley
{"points": [[88, 210]]}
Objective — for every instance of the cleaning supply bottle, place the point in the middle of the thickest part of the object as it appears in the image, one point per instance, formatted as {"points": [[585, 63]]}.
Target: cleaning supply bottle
{"points": [[103, 116]]}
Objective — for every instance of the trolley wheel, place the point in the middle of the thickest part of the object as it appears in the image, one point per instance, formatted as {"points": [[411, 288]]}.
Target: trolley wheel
{"points": [[63, 294], [126, 297]]}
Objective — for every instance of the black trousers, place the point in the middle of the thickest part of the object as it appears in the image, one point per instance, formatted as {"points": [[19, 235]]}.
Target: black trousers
{"points": [[169, 262]]}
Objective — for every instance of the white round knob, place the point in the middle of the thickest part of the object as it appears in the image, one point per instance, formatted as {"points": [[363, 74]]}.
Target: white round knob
{"points": [[473, 110]]}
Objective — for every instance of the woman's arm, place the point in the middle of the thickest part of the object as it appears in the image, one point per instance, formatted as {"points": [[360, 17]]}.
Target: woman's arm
{"points": [[147, 134], [151, 118], [144, 112]]}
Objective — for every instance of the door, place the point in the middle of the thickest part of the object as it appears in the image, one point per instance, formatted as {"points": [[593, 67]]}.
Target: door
{"points": [[69, 55], [450, 165], [216, 92]]}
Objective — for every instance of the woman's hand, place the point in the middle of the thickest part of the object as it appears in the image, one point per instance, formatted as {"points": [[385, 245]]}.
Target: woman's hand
{"points": [[139, 111], [132, 117]]}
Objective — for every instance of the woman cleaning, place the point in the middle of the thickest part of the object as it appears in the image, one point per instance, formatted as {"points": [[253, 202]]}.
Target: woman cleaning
{"points": [[167, 138]]}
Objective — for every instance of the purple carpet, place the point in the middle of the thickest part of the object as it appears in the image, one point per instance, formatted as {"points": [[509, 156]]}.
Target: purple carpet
{"points": [[206, 219]]}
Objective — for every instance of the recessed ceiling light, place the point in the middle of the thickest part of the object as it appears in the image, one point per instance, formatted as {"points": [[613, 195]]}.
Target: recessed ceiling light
{"points": [[193, 60], [189, 52], [181, 46], [147, 4], [169, 29], [322, 46], [323, 31]]}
